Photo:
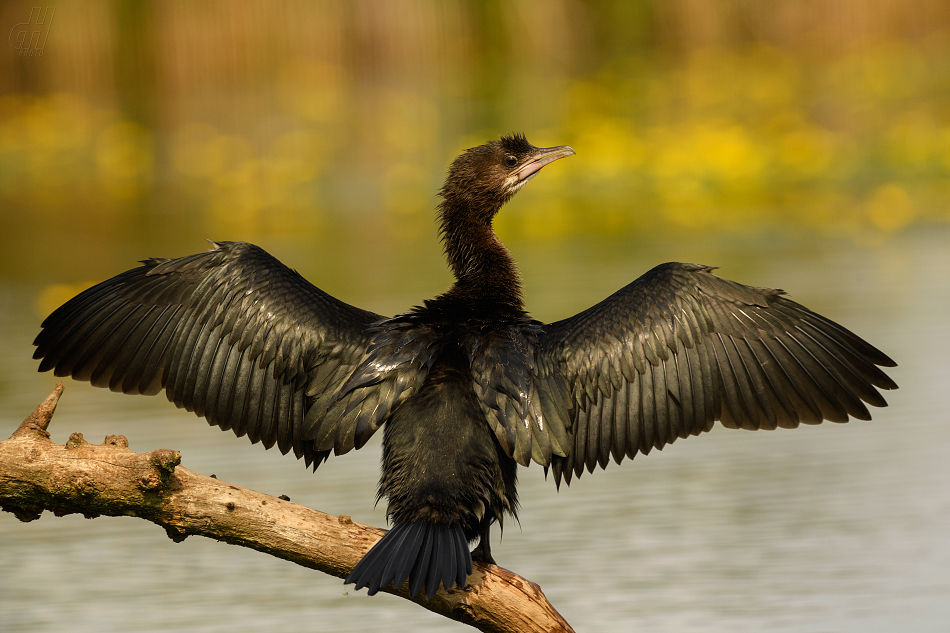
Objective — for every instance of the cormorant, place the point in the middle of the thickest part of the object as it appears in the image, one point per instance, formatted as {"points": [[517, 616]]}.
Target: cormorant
{"points": [[468, 386]]}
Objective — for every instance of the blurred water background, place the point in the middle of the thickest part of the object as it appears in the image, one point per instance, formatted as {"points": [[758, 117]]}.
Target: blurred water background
{"points": [[802, 145]]}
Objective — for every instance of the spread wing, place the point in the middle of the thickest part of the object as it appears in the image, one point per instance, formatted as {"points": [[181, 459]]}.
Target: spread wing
{"points": [[235, 336], [679, 348]]}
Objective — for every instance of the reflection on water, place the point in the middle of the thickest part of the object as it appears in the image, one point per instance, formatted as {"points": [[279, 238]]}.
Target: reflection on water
{"points": [[832, 528]]}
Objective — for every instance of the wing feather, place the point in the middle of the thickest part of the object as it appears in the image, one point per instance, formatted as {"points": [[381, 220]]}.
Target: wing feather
{"points": [[618, 443], [634, 419], [679, 348], [237, 337], [647, 411]]}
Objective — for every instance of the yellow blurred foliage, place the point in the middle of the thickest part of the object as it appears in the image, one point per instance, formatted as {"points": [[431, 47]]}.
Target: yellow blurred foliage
{"points": [[123, 158], [738, 139], [55, 295], [890, 208]]}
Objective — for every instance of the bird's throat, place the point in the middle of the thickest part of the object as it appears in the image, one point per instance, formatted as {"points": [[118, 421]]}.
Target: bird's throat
{"points": [[484, 268]]}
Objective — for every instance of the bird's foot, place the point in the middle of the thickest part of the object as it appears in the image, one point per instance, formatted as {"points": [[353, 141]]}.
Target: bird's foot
{"points": [[482, 553]]}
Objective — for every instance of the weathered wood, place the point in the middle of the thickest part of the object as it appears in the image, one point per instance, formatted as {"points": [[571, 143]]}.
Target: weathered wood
{"points": [[110, 479]]}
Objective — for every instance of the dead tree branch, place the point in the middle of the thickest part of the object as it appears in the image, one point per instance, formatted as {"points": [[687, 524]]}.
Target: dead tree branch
{"points": [[109, 479]]}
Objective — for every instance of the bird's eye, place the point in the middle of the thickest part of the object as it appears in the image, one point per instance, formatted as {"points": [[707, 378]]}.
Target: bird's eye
{"points": [[510, 161]]}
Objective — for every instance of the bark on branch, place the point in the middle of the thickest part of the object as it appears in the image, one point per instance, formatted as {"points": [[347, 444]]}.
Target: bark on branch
{"points": [[109, 479]]}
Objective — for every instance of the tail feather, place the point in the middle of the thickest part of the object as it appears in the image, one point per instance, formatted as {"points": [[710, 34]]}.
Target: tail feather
{"points": [[463, 544], [420, 567], [425, 554], [397, 553], [386, 555], [406, 561]]}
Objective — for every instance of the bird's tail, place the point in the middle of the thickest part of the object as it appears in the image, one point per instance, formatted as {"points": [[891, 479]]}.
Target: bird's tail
{"points": [[423, 553]]}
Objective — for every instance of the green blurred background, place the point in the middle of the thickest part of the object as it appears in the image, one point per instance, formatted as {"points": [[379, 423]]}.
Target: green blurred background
{"points": [[329, 123], [802, 144]]}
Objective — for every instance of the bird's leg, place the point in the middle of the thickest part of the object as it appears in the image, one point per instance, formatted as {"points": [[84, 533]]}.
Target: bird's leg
{"points": [[482, 551]]}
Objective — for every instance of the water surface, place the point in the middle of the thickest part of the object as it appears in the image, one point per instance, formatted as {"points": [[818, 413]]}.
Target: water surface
{"points": [[827, 528]]}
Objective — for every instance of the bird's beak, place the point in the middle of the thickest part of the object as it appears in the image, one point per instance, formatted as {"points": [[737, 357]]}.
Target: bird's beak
{"points": [[542, 157]]}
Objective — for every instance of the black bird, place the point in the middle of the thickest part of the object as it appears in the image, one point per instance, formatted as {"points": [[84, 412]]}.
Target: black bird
{"points": [[468, 385]]}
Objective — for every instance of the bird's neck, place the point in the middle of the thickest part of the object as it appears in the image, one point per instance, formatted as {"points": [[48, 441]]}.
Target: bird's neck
{"points": [[484, 270]]}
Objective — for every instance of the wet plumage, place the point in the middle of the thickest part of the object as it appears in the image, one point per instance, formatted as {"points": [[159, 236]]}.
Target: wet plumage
{"points": [[468, 385]]}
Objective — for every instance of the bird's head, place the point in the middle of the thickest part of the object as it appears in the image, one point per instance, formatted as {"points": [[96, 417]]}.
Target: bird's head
{"points": [[484, 178]]}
